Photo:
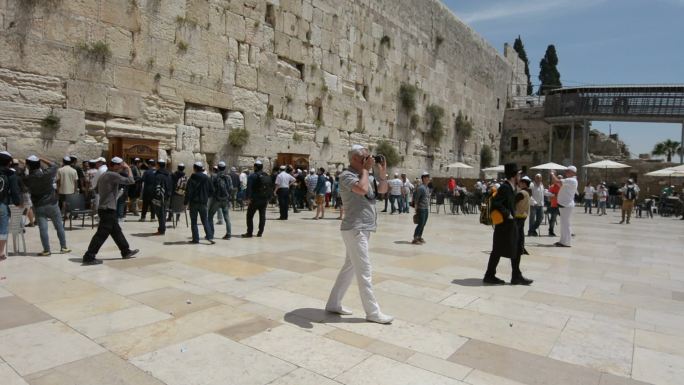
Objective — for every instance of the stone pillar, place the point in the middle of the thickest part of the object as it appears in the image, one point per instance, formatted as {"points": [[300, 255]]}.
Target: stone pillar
{"points": [[572, 142], [585, 149]]}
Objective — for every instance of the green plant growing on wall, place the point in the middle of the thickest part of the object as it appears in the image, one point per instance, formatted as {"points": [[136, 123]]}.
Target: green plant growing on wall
{"points": [[434, 115], [269, 112], [288, 99], [238, 137], [157, 77], [297, 137], [486, 156], [150, 63], [98, 51], [390, 153], [183, 21], [318, 122], [407, 97], [51, 122], [182, 46]]}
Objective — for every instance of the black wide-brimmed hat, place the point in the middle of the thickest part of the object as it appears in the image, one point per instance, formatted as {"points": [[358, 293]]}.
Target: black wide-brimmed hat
{"points": [[510, 169]]}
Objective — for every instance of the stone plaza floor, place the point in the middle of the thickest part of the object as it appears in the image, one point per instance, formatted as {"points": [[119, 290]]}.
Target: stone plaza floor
{"points": [[608, 311]]}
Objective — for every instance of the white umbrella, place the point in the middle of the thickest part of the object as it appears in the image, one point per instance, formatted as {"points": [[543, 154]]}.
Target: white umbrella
{"points": [[549, 166], [458, 165], [499, 168], [678, 168], [666, 172], [606, 164]]}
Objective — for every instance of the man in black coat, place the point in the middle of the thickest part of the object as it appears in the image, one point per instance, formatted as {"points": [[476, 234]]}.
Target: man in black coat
{"points": [[505, 242], [162, 183], [199, 189], [258, 194], [148, 190]]}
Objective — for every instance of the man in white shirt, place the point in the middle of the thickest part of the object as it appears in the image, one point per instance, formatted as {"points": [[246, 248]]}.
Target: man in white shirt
{"points": [[282, 189], [566, 203], [101, 165], [395, 186], [588, 197], [630, 193], [406, 191], [536, 205]]}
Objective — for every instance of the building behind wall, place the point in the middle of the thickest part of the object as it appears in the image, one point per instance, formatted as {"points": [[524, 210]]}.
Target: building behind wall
{"points": [[305, 78]]}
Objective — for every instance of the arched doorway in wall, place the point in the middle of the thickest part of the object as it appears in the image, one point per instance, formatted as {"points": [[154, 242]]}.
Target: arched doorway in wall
{"points": [[299, 161]]}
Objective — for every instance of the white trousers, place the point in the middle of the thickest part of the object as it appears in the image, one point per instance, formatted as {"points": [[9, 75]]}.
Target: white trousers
{"points": [[357, 263], [565, 228]]}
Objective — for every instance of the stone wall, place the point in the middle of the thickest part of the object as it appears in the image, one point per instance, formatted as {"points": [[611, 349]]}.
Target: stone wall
{"points": [[525, 140], [302, 76]]}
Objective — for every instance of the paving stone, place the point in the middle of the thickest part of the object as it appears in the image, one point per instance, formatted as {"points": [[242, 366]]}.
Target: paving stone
{"points": [[378, 370], [16, 312]]}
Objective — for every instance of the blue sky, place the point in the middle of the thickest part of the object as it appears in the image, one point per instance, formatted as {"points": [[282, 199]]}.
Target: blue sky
{"points": [[598, 42]]}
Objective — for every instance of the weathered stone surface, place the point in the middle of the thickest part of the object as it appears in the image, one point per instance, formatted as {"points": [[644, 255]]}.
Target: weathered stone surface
{"points": [[234, 119], [188, 138]]}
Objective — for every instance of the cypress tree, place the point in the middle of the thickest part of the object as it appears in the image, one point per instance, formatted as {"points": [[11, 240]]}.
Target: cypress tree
{"points": [[548, 72], [520, 49]]}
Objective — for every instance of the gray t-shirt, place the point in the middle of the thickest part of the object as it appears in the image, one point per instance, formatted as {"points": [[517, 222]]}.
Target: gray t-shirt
{"points": [[359, 210], [108, 188], [422, 197]]}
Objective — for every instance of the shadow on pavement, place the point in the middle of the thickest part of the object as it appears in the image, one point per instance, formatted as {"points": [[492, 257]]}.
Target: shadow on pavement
{"points": [[306, 317], [471, 282]]}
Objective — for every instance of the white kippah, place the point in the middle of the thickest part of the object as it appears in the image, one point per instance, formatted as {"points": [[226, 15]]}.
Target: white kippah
{"points": [[33, 158], [67, 158], [199, 164], [181, 164], [222, 164], [258, 162], [357, 147], [117, 160]]}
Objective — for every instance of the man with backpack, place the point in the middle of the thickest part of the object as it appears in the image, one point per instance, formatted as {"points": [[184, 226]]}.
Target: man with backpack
{"points": [[179, 182], [196, 198], [630, 193], [258, 194], [163, 187], [220, 200], [10, 193]]}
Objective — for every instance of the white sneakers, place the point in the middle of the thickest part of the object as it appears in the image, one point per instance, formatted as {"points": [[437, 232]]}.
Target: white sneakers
{"points": [[380, 318], [341, 310]]}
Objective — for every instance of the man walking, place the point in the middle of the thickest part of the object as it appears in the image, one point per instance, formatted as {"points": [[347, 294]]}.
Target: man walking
{"points": [[311, 182], [319, 191], [197, 197], [101, 169], [257, 195], [588, 197], [163, 188], [422, 202], [630, 193], [407, 189], [359, 191], [220, 201], [39, 184], [395, 186], [536, 206], [282, 185], [566, 203], [505, 240], [67, 180], [108, 189], [235, 180]]}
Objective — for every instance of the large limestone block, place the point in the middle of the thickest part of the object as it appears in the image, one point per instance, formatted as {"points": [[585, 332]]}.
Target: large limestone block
{"points": [[248, 100], [187, 138], [331, 81], [213, 140], [234, 120], [124, 104], [86, 96], [188, 158], [235, 26], [72, 125], [21, 148], [23, 87], [161, 110], [119, 14], [204, 117], [95, 130], [246, 77]]}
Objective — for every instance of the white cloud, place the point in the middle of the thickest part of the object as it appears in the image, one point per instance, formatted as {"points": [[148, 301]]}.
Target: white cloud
{"points": [[509, 9]]}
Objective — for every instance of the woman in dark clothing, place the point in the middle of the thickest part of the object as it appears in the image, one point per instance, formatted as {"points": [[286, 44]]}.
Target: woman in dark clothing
{"points": [[505, 240]]}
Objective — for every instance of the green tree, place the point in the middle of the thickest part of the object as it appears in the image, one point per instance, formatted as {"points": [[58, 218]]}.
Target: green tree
{"points": [[667, 148], [390, 153], [548, 71], [520, 49]]}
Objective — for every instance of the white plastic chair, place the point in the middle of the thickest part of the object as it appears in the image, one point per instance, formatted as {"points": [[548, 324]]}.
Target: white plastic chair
{"points": [[16, 229]]}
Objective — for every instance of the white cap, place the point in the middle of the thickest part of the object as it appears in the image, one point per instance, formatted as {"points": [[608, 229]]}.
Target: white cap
{"points": [[299, 170], [631, 180], [117, 160], [101, 159], [33, 158], [258, 162], [312, 170], [199, 164], [425, 173], [162, 161], [222, 164], [356, 147], [136, 159], [181, 164], [5, 153], [67, 158], [92, 161], [233, 169], [527, 178], [282, 167], [572, 168]]}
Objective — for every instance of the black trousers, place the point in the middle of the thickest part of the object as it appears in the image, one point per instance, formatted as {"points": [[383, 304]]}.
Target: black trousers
{"points": [[251, 210], [147, 206], [283, 201], [505, 244], [109, 225]]}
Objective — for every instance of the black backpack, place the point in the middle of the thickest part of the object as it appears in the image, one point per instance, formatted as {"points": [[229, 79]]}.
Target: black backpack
{"points": [[630, 194], [4, 188], [263, 187], [221, 189]]}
